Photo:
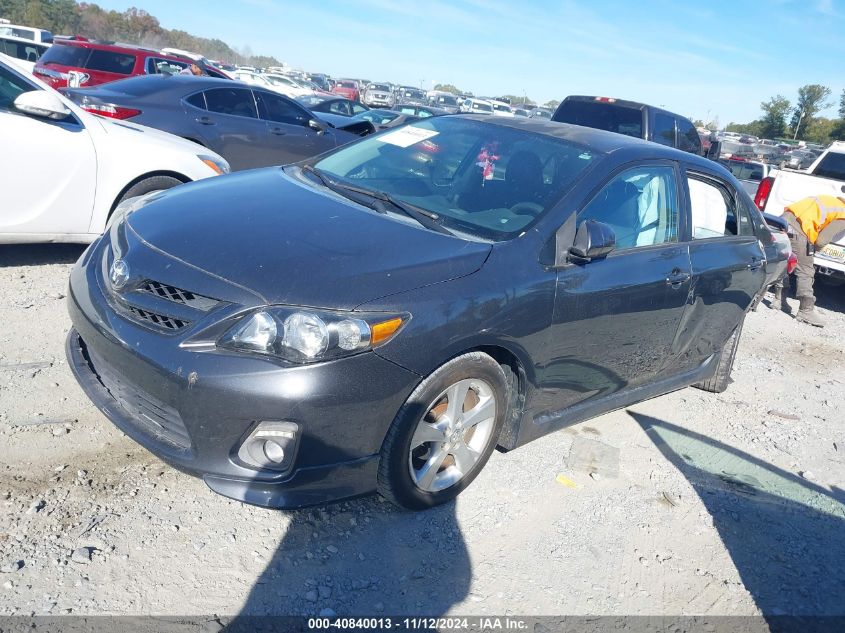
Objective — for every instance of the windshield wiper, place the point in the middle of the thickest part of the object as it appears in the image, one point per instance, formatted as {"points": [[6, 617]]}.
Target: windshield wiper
{"points": [[426, 218]]}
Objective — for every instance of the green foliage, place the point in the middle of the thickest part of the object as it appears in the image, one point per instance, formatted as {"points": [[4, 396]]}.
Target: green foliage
{"points": [[552, 105], [775, 111], [811, 99], [754, 128], [842, 105], [448, 88], [133, 26]]}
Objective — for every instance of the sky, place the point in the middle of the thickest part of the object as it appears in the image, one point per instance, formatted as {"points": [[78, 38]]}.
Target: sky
{"points": [[704, 59]]}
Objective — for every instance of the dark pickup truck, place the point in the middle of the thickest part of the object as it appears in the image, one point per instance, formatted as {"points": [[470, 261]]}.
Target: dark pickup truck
{"points": [[632, 119]]}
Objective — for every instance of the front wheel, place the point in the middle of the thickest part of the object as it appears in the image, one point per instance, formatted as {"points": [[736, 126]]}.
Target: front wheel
{"points": [[444, 433]]}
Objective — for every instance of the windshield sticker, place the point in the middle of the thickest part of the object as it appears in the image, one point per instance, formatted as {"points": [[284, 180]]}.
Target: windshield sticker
{"points": [[487, 160], [407, 136]]}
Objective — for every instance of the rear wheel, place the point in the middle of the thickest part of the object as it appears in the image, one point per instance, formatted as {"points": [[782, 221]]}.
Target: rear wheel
{"points": [[444, 434], [722, 378]]}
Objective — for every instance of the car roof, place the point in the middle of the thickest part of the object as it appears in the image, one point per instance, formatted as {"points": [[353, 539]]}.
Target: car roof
{"points": [[22, 40], [599, 140]]}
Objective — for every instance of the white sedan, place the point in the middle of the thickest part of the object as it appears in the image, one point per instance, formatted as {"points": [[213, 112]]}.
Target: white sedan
{"points": [[64, 170]]}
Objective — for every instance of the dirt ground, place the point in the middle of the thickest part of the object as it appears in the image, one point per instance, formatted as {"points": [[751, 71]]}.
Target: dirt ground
{"points": [[691, 503]]}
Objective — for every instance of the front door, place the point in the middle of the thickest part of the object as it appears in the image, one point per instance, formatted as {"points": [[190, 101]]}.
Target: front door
{"points": [[615, 319], [49, 168]]}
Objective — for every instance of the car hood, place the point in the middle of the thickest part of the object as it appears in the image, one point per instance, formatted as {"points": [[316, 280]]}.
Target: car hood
{"points": [[295, 244]]}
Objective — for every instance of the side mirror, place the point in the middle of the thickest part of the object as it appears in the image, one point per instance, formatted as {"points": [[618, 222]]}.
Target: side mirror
{"points": [[42, 103], [593, 240], [317, 126]]}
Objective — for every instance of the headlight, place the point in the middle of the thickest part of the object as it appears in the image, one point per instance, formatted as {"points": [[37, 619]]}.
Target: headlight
{"points": [[309, 336], [216, 163]]}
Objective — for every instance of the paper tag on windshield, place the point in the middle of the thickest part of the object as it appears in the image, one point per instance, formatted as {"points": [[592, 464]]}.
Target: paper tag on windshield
{"points": [[407, 136]]}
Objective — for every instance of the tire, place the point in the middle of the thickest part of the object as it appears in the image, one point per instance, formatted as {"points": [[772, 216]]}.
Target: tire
{"points": [[722, 378], [146, 185], [432, 473]]}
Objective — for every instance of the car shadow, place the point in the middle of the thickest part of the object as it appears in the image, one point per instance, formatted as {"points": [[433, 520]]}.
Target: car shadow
{"points": [[783, 532], [361, 556], [39, 254]]}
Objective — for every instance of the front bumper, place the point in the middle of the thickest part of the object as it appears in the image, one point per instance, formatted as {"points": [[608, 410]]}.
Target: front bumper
{"points": [[194, 408]]}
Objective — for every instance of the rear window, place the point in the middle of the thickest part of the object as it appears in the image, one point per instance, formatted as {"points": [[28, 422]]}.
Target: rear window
{"points": [[831, 166], [346, 84], [688, 138], [602, 116], [62, 55], [28, 51], [110, 62]]}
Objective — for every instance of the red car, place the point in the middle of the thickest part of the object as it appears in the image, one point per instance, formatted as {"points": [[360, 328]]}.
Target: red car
{"points": [[101, 62], [347, 88]]}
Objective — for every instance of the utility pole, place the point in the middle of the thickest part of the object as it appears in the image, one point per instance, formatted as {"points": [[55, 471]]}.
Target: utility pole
{"points": [[798, 127]]}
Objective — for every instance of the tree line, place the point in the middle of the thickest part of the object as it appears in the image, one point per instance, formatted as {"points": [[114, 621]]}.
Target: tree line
{"points": [[133, 26], [781, 119]]}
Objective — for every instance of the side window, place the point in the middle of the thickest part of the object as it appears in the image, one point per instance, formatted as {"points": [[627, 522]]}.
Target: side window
{"points": [[10, 87], [664, 129], [275, 108], [714, 209], [640, 205], [688, 139], [340, 107], [358, 108], [233, 101], [109, 62], [197, 100], [158, 66]]}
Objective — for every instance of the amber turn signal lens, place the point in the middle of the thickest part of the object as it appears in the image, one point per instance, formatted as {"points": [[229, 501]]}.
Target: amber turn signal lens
{"points": [[213, 165], [384, 330]]}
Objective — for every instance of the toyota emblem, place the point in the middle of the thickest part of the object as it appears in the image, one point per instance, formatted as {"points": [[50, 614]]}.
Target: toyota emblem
{"points": [[119, 273]]}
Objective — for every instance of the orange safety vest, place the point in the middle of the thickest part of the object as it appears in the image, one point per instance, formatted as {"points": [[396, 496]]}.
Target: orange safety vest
{"points": [[816, 212]]}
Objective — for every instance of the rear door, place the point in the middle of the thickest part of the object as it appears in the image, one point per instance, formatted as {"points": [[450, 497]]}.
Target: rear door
{"points": [[232, 126], [728, 266], [615, 319], [289, 138]]}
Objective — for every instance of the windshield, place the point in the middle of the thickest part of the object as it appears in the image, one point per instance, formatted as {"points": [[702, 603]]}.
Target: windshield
{"points": [[380, 87], [346, 84], [501, 107], [446, 100], [482, 107], [486, 180]]}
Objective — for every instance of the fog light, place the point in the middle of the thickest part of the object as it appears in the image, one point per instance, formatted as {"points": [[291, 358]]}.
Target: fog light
{"points": [[274, 452], [270, 445]]}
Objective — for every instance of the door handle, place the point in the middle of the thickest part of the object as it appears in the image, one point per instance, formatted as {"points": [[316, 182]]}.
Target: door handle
{"points": [[277, 131], [677, 278], [204, 120]]}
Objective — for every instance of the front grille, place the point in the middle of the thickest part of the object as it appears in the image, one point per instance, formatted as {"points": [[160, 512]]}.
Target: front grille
{"points": [[177, 295], [153, 416], [160, 320]]}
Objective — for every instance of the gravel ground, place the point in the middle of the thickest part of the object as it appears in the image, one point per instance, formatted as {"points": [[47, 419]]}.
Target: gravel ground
{"points": [[691, 503]]}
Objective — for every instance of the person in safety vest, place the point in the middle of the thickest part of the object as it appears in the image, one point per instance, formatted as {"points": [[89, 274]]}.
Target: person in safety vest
{"points": [[814, 221]]}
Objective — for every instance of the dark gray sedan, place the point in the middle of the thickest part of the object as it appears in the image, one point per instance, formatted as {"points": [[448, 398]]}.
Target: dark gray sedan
{"points": [[248, 126], [385, 317]]}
